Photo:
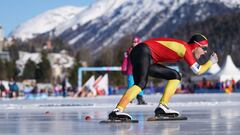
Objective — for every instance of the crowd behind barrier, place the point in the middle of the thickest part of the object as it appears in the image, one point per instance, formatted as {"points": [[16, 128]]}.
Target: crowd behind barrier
{"points": [[32, 90]]}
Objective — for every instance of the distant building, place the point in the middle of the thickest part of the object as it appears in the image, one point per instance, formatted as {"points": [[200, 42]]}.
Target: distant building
{"points": [[4, 55], [1, 45], [48, 45], [1, 34], [1, 38], [6, 42]]}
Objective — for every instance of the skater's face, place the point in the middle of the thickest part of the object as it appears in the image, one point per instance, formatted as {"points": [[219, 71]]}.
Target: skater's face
{"points": [[134, 44], [198, 51]]}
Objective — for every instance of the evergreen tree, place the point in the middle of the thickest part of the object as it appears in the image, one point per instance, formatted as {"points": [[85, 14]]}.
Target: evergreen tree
{"points": [[11, 69], [84, 54], [13, 51], [29, 70], [73, 72], [59, 45], [44, 70], [3, 73]]}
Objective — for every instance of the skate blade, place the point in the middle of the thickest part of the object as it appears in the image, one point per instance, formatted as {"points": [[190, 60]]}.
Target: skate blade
{"points": [[168, 115], [166, 118], [119, 121]]}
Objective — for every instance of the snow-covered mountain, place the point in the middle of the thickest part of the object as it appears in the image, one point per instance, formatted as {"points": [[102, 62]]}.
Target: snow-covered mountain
{"points": [[46, 21], [106, 21]]}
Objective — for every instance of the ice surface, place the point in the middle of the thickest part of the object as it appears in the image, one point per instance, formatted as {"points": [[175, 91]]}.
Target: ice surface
{"points": [[207, 114]]}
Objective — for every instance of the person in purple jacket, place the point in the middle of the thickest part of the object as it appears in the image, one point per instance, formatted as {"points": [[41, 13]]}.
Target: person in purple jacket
{"points": [[127, 69]]}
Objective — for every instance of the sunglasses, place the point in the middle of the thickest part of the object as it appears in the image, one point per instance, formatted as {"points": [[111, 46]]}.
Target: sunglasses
{"points": [[204, 48]]}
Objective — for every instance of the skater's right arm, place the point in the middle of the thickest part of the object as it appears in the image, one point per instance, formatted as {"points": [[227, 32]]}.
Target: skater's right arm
{"points": [[200, 69]]}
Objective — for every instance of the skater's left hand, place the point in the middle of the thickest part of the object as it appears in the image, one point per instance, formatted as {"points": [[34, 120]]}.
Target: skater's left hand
{"points": [[214, 58]]}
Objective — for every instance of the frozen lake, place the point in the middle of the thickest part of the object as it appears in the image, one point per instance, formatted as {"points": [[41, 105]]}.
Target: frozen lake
{"points": [[217, 114]]}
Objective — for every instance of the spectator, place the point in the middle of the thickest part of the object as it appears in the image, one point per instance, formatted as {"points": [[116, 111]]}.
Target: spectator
{"points": [[57, 90], [14, 89], [190, 86], [2, 89], [228, 86], [127, 69], [64, 89], [233, 83]]}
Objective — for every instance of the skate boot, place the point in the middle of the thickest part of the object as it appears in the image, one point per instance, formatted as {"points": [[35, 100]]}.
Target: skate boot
{"points": [[141, 100], [163, 110], [117, 115]]}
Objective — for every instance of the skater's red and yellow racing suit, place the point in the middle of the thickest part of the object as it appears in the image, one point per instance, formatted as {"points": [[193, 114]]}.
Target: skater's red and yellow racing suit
{"points": [[172, 50]]}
